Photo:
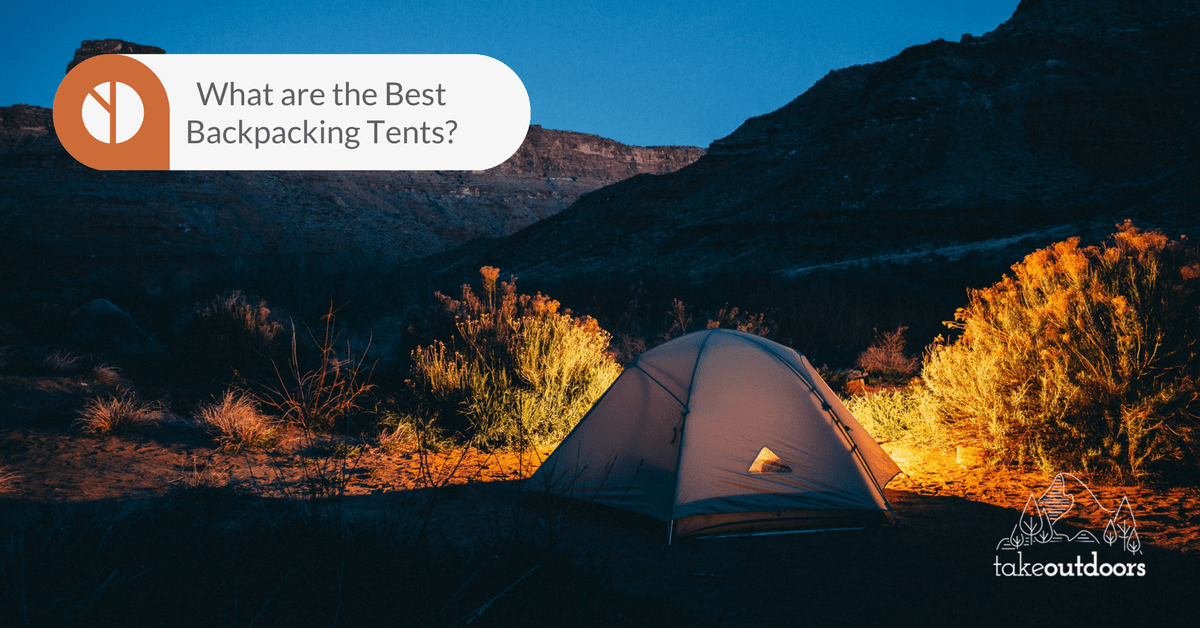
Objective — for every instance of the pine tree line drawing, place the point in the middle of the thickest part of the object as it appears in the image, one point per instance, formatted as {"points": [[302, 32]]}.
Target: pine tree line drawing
{"points": [[1036, 524]]}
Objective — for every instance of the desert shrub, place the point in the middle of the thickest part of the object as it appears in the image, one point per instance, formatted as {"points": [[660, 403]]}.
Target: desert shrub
{"points": [[7, 479], [908, 414], [63, 362], [107, 376], [319, 395], [234, 330], [1083, 359], [113, 413], [625, 347], [841, 380], [514, 371], [886, 360], [733, 318], [236, 422], [679, 319]]}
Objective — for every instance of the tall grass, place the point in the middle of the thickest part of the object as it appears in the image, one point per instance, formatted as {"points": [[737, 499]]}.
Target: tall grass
{"points": [[63, 362], [121, 412], [908, 414], [1083, 359], [236, 422], [514, 371], [7, 479], [320, 396], [234, 331]]}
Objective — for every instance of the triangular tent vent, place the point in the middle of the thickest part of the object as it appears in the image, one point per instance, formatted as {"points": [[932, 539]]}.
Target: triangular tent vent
{"points": [[768, 462]]}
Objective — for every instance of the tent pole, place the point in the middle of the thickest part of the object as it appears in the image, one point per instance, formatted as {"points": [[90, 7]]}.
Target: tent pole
{"points": [[828, 408], [687, 409], [857, 453]]}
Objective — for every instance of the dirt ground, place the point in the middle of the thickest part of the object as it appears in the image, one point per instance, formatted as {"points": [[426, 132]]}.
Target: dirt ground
{"points": [[939, 565]]}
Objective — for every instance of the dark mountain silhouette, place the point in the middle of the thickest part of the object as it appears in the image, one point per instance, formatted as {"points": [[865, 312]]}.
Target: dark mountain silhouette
{"points": [[1067, 118], [65, 224]]}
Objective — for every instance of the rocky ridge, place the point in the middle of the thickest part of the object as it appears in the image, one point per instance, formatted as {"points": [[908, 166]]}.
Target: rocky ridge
{"points": [[1070, 116], [66, 222], [93, 47]]}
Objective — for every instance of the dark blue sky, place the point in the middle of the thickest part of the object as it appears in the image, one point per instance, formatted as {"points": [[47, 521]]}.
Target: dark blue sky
{"points": [[641, 73]]}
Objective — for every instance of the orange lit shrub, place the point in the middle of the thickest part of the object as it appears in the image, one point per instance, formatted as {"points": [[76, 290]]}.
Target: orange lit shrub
{"points": [[885, 360], [1083, 359], [514, 371]]}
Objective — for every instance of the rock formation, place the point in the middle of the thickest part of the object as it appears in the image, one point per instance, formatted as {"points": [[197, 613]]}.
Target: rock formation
{"points": [[68, 222], [1067, 118], [92, 47]]}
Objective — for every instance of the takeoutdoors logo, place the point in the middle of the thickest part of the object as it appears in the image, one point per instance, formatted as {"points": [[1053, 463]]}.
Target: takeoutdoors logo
{"points": [[1068, 512], [291, 112]]}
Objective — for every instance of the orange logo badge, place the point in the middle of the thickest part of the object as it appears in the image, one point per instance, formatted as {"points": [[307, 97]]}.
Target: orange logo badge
{"points": [[111, 113]]}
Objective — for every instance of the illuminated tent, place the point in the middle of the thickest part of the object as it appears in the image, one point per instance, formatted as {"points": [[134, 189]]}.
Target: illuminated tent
{"points": [[724, 432]]}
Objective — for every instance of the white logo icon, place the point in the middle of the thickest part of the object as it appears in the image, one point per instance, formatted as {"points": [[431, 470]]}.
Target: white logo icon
{"points": [[1066, 491], [113, 112]]}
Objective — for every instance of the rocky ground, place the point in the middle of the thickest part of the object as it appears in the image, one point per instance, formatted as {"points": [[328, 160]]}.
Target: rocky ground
{"points": [[938, 564]]}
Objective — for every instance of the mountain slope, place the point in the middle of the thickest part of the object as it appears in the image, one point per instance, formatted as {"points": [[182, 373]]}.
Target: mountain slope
{"points": [[63, 223], [1072, 113]]}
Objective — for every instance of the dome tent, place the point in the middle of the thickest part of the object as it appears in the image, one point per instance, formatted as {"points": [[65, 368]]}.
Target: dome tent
{"points": [[723, 432]]}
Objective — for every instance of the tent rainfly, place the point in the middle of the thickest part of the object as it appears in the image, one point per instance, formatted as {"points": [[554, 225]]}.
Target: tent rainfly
{"points": [[722, 432]]}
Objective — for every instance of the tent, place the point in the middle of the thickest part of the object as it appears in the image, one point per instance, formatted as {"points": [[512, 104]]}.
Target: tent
{"points": [[724, 432]]}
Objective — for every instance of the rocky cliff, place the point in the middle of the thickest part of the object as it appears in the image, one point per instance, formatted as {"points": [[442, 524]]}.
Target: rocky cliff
{"points": [[64, 222], [1070, 116], [92, 47]]}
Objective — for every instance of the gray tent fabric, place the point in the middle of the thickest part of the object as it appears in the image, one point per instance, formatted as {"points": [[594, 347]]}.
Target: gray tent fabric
{"points": [[676, 435]]}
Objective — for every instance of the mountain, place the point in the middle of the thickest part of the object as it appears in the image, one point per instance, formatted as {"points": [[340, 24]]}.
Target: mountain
{"points": [[1069, 117], [67, 224]]}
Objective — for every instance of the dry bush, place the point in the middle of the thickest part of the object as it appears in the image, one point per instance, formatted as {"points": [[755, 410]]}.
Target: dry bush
{"points": [[113, 413], [7, 479], [910, 415], [516, 371], [1083, 359], [625, 347], [733, 318], [680, 319], [107, 376], [398, 436], [236, 422], [236, 331], [886, 358], [317, 398], [63, 362]]}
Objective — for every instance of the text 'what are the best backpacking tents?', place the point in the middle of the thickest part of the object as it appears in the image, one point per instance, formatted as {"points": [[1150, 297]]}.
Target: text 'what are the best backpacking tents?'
{"points": [[724, 432]]}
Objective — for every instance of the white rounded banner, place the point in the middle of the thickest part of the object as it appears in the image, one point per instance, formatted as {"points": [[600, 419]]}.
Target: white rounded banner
{"points": [[320, 112]]}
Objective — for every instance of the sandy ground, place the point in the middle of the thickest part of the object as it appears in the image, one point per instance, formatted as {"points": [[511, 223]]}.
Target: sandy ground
{"points": [[938, 565]]}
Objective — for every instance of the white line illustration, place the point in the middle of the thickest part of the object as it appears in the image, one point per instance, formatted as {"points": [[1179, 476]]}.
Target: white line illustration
{"points": [[1036, 525]]}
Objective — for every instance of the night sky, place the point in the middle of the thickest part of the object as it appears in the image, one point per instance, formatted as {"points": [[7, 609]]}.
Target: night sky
{"points": [[664, 73]]}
